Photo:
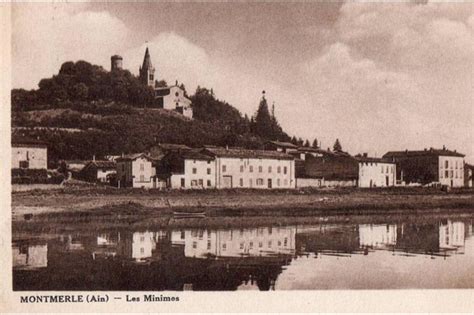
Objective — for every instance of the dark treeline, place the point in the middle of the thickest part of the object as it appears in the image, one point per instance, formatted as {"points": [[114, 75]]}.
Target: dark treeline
{"points": [[110, 109]]}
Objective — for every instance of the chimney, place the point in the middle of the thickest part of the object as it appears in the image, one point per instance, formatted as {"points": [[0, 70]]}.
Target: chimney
{"points": [[365, 154], [444, 147]]}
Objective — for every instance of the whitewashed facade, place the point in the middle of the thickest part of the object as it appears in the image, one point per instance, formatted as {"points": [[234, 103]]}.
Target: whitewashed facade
{"points": [[136, 171], [238, 168], [451, 170], [29, 155], [173, 98], [376, 173], [198, 174]]}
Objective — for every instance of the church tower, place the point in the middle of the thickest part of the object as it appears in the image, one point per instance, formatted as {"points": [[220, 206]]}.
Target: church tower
{"points": [[147, 72]]}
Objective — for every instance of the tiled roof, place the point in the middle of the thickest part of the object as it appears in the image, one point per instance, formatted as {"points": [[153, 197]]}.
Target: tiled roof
{"points": [[104, 164], [132, 156], [426, 152], [247, 154], [189, 155], [22, 140], [372, 159], [284, 144]]}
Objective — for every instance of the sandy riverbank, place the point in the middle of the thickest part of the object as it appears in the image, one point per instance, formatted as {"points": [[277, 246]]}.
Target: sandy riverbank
{"points": [[241, 202]]}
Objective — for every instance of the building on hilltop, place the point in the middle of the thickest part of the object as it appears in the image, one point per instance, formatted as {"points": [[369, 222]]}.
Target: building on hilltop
{"points": [[173, 98], [429, 166], [168, 97], [147, 71], [116, 63]]}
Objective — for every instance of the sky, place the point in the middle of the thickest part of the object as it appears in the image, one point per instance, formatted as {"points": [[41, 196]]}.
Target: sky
{"points": [[377, 76]]}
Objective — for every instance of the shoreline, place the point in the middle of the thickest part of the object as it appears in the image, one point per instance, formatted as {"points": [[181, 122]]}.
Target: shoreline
{"points": [[307, 202]]}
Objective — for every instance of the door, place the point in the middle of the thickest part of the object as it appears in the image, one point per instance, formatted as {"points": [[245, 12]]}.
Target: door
{"points": [[226, 181], [387, 182], [269, 183]]}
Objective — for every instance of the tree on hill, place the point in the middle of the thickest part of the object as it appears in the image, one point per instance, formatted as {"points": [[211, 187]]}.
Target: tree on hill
{"points": [[337, 146], [315, 143], [266, 124], [306, 144]]}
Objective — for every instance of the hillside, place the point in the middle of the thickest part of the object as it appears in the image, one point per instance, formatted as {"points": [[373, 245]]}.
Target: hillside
{"points": [[110, 111]]}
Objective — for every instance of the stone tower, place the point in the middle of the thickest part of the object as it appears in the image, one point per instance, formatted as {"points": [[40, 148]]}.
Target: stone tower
{"points": [[147, 72], [116, 63]]}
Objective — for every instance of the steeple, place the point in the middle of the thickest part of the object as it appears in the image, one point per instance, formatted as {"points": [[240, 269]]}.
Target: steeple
{"points": [[147, 72]]}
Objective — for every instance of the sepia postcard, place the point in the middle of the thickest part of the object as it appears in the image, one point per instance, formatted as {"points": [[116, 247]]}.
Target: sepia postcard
{"points": [[248, 156]]}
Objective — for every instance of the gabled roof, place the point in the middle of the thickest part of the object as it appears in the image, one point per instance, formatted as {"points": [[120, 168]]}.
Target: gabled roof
{"points": [[189, 155], [247, 154], [372, 159], [133, 156], [22, 140], [103, 164], [425, 152], [172, 146], [284, 144]]}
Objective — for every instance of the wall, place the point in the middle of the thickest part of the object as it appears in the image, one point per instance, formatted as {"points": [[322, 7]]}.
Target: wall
{"points": [[148, 173], [321, 182], [453, 175], [191, 180], [177, 99], [36, 156], [249, 178], [375, 174]]}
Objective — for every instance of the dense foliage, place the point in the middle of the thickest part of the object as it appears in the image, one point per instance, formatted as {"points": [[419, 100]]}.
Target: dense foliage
{"points": [[90, 111]]}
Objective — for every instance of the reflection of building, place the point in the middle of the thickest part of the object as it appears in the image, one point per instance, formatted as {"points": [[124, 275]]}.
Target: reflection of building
{"points": [[236, 242], [139, 245], [30, 256], [451, 235], [377, 236]]}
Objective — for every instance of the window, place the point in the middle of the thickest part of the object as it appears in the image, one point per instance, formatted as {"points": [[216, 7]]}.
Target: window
{"points": [[208, 183], [182, 182], [260, 169], [142, 239], [176, 94], [142, 167], [278, 182], [250, 183], [24, 164], [269, 169], [259, 181], [260, 244], [151, 77], [195, 244], [224, 168], [251, 168], [452, 174], [279, 169], [446, 164], [241, 182], [285, 182], [284, 170], [208, 244], [208, 171], [285, 242], [241, 168], [251, 245], [456, 164], [142, 178], [142, 250], [224, 247], [182, 234], [269, 244], [194, 170], [446, 174], [201, 183]]}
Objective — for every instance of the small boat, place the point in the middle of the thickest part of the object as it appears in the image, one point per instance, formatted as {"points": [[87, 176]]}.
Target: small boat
{"points": [[179, 214]]}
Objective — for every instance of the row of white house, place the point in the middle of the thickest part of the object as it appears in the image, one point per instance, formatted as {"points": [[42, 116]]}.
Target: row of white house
{"points": [[279, 166]]}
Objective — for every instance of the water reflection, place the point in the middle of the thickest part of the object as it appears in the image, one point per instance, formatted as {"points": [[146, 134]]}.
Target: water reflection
{"points": [[260, 258]]}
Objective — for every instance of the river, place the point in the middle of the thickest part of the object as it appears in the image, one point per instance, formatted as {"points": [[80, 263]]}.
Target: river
{"points": [[409, 252]]}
